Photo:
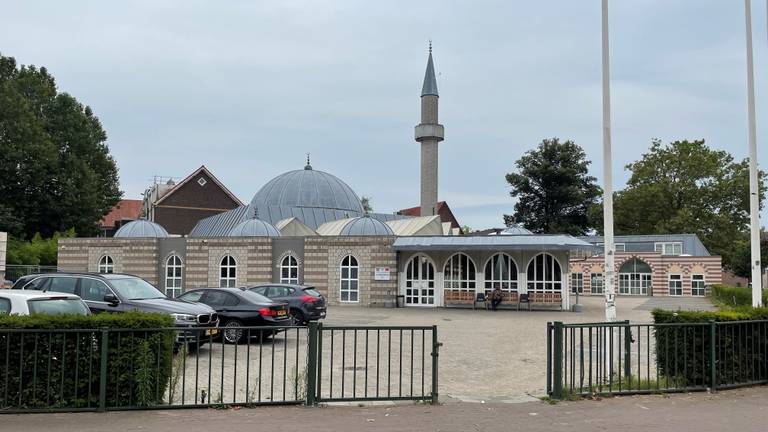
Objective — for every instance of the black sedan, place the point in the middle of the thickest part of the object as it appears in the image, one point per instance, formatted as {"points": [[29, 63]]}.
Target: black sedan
{"points": [[237, 307], [305, 303]]}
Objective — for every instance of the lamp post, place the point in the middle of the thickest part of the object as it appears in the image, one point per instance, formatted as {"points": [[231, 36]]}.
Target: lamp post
{"points": [[610, 291], [754, 193]]}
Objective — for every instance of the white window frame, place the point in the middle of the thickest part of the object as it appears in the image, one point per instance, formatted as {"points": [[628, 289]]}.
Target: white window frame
{"points": [[695, 285], [228, 272], [106, 264], [544, 284], [420, 281], [619, 247], [349, 279], [460, 273], [668, 248], [593, 277], [577, 282], [675, 285], [288, 265], [508, 284], [173, 273]]}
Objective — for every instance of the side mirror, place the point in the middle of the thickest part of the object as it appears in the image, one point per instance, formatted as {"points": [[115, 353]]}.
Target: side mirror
{"points": [[111, 299]]}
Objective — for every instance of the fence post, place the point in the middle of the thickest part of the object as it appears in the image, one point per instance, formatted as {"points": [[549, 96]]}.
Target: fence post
{"points": [[549, 358], [557, 366], [312, 365], [627, 350], [435, 354], [712, 356], [103, 369]]}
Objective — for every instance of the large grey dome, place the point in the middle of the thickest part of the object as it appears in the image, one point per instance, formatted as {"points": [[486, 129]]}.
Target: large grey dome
{"points": [[141, 229], [366, 226], [254, 228], [302, 193]]}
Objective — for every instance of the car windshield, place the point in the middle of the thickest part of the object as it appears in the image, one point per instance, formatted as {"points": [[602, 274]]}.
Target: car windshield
{"points": [[57, 306], [135, 289], [312, 292], [256, 297]]}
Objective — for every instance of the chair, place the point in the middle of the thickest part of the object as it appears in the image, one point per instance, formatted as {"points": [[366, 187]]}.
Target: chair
{"points": [[480, 298], [523, 298]]}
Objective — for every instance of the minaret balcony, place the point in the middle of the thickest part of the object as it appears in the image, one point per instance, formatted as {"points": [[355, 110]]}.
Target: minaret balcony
{"points": [[429, 132]]}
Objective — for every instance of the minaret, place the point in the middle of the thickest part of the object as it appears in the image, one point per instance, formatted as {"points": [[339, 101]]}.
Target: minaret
{"points": [[429, 133]]}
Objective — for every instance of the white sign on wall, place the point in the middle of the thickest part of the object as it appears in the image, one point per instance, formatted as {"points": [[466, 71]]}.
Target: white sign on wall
{"points": [[381, 273]]}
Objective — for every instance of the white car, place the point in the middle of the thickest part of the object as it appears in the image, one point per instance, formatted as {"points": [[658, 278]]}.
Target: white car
{"points": [[20, 302]]}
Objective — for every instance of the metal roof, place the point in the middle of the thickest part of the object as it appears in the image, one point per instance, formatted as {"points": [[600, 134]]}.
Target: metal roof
{"points": [[366, 226], [254, 228], [219, 225], [692, 245], [430, 83], [422, 225], [141, 228], [506, 242]]}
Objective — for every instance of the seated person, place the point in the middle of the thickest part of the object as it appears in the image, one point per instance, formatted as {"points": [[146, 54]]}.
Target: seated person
{"points": [[496, 297]]}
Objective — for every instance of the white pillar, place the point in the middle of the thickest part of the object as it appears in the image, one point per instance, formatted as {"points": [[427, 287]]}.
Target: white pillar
{"points": [[754, 194], [609, 288]]}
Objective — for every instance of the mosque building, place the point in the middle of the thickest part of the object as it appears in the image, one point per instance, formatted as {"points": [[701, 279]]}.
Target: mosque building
{"points": [[309, 227]]}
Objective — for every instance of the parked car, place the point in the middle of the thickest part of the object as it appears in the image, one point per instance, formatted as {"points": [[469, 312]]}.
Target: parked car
{"points": [[304, 302], [34, 302], [116, 293], [238, 307]]}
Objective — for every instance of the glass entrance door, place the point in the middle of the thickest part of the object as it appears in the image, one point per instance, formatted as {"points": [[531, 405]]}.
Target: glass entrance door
{"points": [[420, 282]]}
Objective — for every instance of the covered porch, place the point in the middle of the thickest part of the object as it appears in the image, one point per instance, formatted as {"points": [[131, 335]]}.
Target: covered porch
{"points": [[452, 271]]}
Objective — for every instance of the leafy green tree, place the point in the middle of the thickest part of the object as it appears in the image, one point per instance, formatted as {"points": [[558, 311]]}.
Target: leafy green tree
{"points": [[553, 189], [686, 187], [56, 172], [37, 251]]}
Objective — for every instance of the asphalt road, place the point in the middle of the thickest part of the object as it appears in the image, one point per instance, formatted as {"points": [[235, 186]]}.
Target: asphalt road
{"points": [[739, 410]]}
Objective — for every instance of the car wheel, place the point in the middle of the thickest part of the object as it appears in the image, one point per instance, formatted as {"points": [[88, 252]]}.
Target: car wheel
{"points": [[298, 317], [232, 332]]}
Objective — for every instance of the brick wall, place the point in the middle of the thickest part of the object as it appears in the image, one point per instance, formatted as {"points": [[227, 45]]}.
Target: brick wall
{"points": [[135, 256], [253, 256]]}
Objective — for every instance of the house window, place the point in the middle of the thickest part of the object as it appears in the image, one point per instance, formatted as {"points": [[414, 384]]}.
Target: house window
{"points": [[669, 248], [619, 247], [545, 274], [289, 269], [596, 283], [350, 280], [675, 285], [697, 285], [173, 276], [635, 277], [202, 181], [459, 273], [577, 282], [106, 264], [501, 271], [228, 272]]}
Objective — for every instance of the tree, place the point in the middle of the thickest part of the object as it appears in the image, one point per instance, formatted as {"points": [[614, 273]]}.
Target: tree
{"points": [[56, 172], [553, 189], [686, 187], [367, 204]]}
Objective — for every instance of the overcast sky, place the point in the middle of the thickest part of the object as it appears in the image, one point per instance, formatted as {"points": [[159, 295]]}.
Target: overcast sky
{"points": [[247, 88]]}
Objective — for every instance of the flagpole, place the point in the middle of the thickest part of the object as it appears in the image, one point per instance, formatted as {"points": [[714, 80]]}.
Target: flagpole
{"points": [[754, 196], [610, 290]]}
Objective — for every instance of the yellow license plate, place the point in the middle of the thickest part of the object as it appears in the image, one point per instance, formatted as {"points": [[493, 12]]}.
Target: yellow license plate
{"points": [[212, 332], [280, 313]]}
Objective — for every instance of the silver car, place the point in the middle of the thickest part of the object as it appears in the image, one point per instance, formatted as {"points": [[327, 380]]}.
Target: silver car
{"points": [[36, 302]]}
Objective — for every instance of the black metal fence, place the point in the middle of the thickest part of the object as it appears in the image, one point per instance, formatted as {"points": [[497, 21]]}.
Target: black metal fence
{"points": [[111, 369], [626, 358], [15, 271]]}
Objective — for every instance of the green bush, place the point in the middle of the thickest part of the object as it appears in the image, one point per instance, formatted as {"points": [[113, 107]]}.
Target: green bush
{"points": [[727, 295], [741, 341], [44, 364]]}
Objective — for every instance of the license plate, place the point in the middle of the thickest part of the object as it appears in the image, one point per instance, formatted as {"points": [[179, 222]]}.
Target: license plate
{"points": [[211, 332], [281, 313]]}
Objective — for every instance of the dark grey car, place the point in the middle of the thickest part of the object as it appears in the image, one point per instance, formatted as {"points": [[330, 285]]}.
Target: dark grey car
{"points": [[304, 302]]}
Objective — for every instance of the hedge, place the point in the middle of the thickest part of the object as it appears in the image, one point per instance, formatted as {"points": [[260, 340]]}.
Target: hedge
{"points": [[56, 369], [731, 296], [741, 347]]}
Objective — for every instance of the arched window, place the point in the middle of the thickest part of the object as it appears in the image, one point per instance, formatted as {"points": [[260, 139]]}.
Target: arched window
{"points": [[545, 274], [289, 269], [419, 281], [635, 277], [173, 276], [501, 271], [459, 273], [228, 272], [106, 264], [350, 280]]}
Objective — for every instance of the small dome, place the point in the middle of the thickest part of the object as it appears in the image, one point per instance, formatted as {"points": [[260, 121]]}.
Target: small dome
{"points": [[515, 229], [366, 226], [254, 228], [141, 228]]}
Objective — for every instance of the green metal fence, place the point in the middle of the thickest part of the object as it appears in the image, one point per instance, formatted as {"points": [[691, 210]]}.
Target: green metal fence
{"points": [[627, 358], [118, 369]]}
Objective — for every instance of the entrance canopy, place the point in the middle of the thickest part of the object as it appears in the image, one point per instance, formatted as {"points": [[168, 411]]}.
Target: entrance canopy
{"points": [[561, 242]]}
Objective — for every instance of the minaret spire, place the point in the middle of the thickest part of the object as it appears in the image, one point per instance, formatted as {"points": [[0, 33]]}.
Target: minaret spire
{"points": [[429, 133]]}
